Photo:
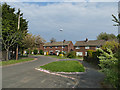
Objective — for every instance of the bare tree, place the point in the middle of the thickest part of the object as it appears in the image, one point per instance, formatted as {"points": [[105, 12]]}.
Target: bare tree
{"points": [[52, 40], [10, 40]]}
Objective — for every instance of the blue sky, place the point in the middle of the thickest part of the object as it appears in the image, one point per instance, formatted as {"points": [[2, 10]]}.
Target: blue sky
{"points": [[79, 20]]}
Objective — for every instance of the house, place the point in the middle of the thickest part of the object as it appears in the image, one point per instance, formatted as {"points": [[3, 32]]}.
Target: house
{"points": [[81, 47], [56, 47]]}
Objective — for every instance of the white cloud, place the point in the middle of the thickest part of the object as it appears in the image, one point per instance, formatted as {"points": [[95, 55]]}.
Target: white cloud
{"points": [[79, 20], [59, 0]]}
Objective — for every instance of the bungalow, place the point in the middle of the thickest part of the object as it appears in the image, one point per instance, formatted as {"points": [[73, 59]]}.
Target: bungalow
{"points": [[81, 47], [56, 47]]}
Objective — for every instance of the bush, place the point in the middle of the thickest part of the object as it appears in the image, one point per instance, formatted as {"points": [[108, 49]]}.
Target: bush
{"points": [[71, 54], [92, 57], [31, 51], [90, 53], [61, 55], [27, 51], [111, 45], [109, 65], [35, 51], [41, 52]]}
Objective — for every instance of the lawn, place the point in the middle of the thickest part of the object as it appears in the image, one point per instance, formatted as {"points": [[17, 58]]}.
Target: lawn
{"points": [[15, 61], [60, 57], [64, 66]]}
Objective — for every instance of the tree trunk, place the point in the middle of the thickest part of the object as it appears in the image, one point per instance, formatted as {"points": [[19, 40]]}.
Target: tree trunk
{"points": [[7, 50], [29, 51], [22, 51]]}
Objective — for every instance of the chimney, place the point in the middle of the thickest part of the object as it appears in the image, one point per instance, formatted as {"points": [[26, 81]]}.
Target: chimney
{"points": [[86, 40], [63, 41], [51, 41]]}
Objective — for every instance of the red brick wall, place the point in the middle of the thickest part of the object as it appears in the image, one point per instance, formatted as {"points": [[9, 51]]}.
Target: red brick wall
{"points": [[40, 47], [70, 46], [82, 49], [54, 49], [66, 48]]}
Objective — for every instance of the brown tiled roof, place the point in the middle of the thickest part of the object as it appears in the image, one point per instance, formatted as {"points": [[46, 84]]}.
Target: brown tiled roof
{"points": [[90, 43], [57, 43]]}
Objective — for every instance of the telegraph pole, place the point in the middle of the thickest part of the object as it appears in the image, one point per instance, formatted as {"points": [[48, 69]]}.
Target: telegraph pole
{"points": [[18, 30], [62, 43]]}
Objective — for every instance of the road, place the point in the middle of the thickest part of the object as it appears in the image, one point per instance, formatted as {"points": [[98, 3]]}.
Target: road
{"points": [[25, 76]]}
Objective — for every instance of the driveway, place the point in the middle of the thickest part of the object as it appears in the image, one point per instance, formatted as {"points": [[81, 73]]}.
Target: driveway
{"points": [[25, 76]]}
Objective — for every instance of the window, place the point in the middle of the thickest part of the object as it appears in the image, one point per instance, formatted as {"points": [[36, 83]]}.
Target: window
{"points": [[87, 47], [77, 48], [44, 47], [51, 51], [85, 53], [79, 53], [50, 47]]}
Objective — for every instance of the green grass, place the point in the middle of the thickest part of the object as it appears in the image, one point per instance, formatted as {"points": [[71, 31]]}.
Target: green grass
{"points": [[79, 58], [15, 61], [64, 66], [59, 57]]}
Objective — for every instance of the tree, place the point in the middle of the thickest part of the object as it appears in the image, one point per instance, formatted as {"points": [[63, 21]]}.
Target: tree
{"points": [[118, 37], [39, 40], [109, 65], [52, 40], [116, 20], [111, 45], [10, 34], [105, 36], [29, 41]]}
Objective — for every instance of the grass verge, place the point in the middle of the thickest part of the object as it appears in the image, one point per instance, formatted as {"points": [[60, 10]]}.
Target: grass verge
{"points": [[3, 63], [64, 66], [59, 57]]}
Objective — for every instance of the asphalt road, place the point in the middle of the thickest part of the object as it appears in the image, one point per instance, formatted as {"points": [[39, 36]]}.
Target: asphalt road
{"points": [[25, 76]]}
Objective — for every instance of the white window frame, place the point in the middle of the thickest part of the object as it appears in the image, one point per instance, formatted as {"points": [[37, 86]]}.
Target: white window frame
{"points": [[51, 51], [87, 47], [77, 47], [56, 47], [80, 54]]}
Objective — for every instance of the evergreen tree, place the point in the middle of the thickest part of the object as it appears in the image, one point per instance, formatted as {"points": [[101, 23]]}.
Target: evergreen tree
{"points": [[10, 33]]}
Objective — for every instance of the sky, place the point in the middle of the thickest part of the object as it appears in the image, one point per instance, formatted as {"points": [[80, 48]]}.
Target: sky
{"points": [[79, 20]]}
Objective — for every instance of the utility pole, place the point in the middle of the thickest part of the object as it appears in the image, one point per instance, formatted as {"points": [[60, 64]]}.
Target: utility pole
{"points": [[62, 43], [18, 30]]}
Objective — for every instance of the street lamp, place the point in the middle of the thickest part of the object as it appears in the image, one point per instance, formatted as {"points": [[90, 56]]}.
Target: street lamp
{"points": [[62, 42]]}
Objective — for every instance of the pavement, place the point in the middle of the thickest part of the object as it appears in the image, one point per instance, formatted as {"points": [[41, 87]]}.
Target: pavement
{"points": [[25, 76]]}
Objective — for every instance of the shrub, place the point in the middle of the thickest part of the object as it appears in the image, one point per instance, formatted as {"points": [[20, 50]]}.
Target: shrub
{"points": [[92, 57], [109, 65], [71, 54], [90, 53], [61, 55], [41, 52], [27, 51], [35, 51], [111, 45], [31, 51]]}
